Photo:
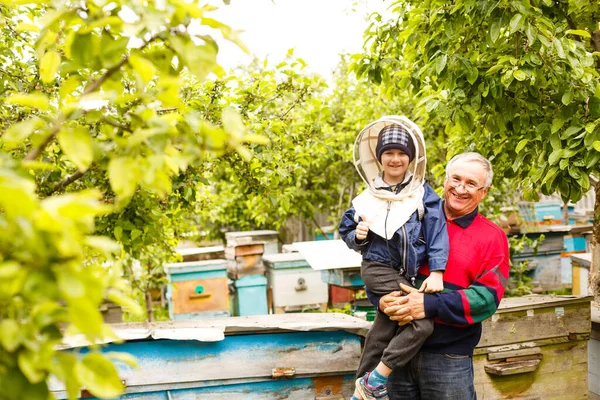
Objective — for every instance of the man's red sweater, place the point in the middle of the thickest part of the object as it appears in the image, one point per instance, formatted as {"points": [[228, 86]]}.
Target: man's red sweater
{"points": [[474, 282]]}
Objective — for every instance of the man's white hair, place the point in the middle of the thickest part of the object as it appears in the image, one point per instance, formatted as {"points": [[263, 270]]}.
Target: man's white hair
{"points": [[474, 156]]}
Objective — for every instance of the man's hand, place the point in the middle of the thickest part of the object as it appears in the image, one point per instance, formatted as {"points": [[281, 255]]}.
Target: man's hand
{"points": [[362, 229], [403, 309]]}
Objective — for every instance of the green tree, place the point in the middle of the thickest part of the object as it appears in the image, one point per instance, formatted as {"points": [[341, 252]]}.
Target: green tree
{"points": [[305, 168], [518, 81], [95, 144]]}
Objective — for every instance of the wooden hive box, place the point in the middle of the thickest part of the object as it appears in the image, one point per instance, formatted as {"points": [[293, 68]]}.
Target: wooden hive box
{"points": [[580, 264], [293, 284], [198, 289], [266, 237], [285, 356], [535, 347]]}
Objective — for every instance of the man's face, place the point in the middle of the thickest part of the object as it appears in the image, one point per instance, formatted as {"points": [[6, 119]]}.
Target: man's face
{"points": [[463, 188], [394, 162]]}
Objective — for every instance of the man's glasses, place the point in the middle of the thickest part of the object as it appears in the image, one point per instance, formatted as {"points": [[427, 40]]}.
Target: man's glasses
{"points": [[469, 187]]}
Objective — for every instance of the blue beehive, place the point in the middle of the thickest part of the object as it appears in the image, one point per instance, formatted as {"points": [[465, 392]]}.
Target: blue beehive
{"points": [[251, 295], [198, 289], [548, 211]]}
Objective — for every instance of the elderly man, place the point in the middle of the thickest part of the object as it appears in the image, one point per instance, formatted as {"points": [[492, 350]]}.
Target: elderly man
{"points": [[474, 281]]}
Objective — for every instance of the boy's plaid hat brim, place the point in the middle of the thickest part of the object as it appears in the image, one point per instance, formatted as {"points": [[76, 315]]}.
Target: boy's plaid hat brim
{"points": [[395, 137]]}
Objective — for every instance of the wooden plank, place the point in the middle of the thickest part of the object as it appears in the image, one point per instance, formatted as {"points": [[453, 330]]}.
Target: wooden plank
{"points": [[231, 253], [251, 237], [334, 387], [532, 302], [310, 354], [201, 253], [513, 353], [557, 319], [525, 358], [512, 368]]}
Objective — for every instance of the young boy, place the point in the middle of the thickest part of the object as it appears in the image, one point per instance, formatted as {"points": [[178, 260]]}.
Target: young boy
{"points": [[398, 225]]}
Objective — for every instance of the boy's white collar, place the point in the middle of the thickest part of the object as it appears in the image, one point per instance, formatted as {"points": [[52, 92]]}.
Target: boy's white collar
{"points": [[379, 183]]}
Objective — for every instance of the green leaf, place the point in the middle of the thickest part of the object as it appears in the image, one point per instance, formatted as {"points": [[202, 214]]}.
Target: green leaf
{"points": [[567, 97], [494, 69], [584, 181], [33, 100], [28, 364], [495, 29], [596, 145], [555, 141], [71, 285], [17, 133], [85, 315], [144, 67], [516, 23], [78, 146], [122, 174], [507, 78], [104, 244], [254, 138], [564, 163], [570, 131], [99, 376], [558, 47], [25, 27], [592, 158], [550, 175], [232, 121], [472, 74], [10, 335], [520, 75], [49, 65], [557, 123], [590, 127], [555, 156], [579, 32], [531, 34], [9, 269], [440, 63], [521, 145], [594, 106]]}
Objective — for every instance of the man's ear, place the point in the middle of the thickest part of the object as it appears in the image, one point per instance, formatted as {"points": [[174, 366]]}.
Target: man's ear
{"points": [[485, 192]]}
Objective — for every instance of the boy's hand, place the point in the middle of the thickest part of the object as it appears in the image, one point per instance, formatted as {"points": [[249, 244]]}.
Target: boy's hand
{"points": [[362, 230], [434, 283]]}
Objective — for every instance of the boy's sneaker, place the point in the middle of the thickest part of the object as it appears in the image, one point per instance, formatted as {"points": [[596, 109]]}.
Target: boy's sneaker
{"points": [[369, 392]]}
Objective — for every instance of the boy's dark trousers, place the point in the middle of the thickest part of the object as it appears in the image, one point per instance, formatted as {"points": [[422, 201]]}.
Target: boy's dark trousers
{"points": [[387, 341]]}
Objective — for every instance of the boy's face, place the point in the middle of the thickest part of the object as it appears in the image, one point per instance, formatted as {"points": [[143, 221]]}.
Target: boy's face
{"points": [[394, 162]]}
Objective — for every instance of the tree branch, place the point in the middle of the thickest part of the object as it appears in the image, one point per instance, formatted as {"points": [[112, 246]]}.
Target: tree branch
{"points": [[67, 181], [116, 124], [314, 220], [35, 153], [109, 72]]}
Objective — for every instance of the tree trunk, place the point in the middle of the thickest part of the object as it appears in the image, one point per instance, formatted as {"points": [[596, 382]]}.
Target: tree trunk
{"points": [[150, 312], [595, 268]]}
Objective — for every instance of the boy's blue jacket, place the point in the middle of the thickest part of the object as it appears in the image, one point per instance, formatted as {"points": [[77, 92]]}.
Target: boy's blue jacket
{"points": [[421, 240]]}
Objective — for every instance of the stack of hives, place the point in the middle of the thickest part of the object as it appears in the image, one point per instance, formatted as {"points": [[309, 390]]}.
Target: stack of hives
{"points": [[244, 252]]}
